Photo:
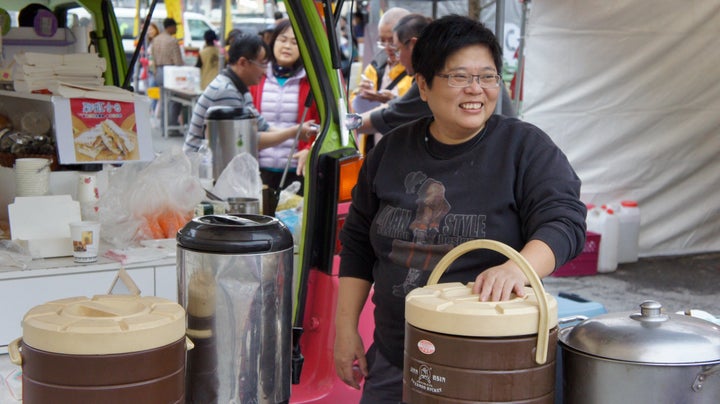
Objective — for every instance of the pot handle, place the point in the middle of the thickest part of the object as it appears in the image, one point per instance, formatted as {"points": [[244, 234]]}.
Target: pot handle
{"points": [[535, 283], [700, 378], [14, 351]]}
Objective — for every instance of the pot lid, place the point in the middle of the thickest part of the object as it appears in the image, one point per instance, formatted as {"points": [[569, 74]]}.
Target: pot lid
{"points": [[452, 308], [650, 336], [103, 324], [224, 112]]}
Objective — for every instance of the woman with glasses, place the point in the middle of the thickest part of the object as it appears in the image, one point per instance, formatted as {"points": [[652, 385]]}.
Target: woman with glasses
{"points": [[460, 174], [280, 97]]}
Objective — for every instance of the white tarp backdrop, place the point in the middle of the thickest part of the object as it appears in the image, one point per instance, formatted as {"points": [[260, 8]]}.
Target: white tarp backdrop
{"points": [[630, 90]]}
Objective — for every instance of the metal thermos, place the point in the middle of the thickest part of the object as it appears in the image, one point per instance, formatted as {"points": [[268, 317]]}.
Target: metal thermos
{"points": [[230, 131], [235, 282]]}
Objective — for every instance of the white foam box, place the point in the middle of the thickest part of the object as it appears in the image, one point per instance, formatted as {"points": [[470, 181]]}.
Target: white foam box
{"points": [[42, 224]]}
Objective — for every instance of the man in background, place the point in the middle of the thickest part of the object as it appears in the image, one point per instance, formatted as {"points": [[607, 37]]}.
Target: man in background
{"points": [[166, 52], [385, 77]]}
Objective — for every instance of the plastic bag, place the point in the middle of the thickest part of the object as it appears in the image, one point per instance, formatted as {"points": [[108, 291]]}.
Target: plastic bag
{"points": [[149, 201], [13, 255], [241, 178], [292, 218], [289, 199]]}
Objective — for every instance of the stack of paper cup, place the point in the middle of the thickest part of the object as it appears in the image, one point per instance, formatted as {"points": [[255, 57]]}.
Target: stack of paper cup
{"points": [[32, 176], [88, 195]]}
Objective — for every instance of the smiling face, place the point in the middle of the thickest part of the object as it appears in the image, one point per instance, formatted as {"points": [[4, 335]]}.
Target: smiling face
{"points": [[285, 49], [460, 113]]}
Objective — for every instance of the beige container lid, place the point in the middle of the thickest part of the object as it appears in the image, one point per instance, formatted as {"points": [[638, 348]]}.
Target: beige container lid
{"points": [[451, 308], [103, 324]]}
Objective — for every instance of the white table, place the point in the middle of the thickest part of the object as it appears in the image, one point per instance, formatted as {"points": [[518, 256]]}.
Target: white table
{"points": [[185, 98]]}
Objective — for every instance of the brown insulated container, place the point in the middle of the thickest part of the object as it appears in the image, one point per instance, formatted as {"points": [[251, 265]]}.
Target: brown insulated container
{"points": [[105, 349], [461, 350]]}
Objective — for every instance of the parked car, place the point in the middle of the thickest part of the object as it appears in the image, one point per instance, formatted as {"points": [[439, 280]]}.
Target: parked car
{"points": [[250, 23], [194, 27]]}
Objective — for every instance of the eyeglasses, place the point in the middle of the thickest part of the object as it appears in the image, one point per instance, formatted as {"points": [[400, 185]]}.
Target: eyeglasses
{"points": [[386, 44], [462, 80], [284, 39], [264, 65]]}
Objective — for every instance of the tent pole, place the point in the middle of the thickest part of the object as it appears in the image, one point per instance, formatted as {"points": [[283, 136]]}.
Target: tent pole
{"points": [[519, 73], [500, 34]]}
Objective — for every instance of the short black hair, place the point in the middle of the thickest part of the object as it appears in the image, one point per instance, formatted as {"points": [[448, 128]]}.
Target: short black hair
{"points": [[247, 46], [410, 25], [234, 33], [210, 37], [169, 22], [447, 35]]}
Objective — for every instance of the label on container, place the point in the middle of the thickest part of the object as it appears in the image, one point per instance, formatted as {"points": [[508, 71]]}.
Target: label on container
{"points": [[426, 347]]}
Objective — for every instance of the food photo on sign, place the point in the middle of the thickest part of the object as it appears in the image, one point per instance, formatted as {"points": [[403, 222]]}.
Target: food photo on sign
{"points": [[103, 130]]}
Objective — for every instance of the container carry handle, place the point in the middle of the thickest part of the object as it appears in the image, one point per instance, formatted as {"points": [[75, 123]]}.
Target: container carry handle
{"points": [[535, 283], [14, 351]]}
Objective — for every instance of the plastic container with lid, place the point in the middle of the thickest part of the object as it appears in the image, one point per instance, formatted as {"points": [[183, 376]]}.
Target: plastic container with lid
{"points": [[604, 221], [108, 348], [629, 232], [462, 350]]}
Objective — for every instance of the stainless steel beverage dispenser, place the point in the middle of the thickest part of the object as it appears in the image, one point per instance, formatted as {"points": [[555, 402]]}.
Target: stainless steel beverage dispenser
{"points": [[230, 131], [235, 282]]}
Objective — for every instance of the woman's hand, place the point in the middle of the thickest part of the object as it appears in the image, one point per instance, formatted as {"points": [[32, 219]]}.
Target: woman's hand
{"points": [[350, 362], [308, 130], [301, 157], [499, 282]]}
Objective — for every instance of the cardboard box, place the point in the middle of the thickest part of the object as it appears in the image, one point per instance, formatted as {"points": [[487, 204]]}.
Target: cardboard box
{"points": [[586, 263]]}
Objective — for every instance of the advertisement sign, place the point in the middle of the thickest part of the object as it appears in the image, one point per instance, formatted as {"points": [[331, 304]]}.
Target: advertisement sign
{"points": [[102, 131]]}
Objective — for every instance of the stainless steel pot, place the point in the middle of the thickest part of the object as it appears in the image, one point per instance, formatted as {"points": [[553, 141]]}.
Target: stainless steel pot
{"points": [[235, 282], [230, 131], [648, 357]]}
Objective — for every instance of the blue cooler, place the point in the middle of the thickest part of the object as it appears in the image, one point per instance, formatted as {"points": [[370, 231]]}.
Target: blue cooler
{"points": [[570, 305]]}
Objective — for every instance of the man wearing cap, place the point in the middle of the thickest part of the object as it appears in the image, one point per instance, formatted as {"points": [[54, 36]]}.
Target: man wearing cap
{"points": [[166, 52]]}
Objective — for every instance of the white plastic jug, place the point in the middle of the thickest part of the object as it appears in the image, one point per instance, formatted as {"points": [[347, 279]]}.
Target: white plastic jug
{"points": [[629, 235], [603, 220]]}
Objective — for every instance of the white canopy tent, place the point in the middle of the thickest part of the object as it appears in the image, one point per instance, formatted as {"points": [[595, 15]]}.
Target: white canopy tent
{"points": [[630, 90]]}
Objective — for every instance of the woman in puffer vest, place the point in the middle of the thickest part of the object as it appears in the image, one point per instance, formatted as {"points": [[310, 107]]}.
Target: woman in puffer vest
{"points": [[280, 98]]}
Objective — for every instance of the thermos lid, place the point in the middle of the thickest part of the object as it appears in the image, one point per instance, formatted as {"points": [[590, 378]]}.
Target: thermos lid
{"points": [[235, 234], [224, 112], [452, 308], [103, 324]]}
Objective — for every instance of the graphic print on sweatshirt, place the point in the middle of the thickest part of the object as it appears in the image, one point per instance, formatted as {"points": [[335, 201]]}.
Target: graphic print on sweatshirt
{"points": [[423, 236]]}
